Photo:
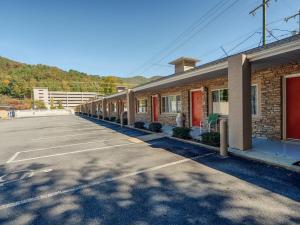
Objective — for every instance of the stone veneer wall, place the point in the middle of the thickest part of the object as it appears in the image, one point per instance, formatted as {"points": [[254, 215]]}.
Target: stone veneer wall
{"points": [[268, 123], [184, 91]]}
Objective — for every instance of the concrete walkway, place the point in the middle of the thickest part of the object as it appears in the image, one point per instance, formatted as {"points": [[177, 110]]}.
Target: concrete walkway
{"points": [[283, 154]]}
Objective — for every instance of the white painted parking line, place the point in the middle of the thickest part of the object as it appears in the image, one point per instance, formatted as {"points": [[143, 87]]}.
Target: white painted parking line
{"points": [[88, 185], [68, 153], [76, 129], [68, 145], [55, 147], [69, 135], [13, 157]]}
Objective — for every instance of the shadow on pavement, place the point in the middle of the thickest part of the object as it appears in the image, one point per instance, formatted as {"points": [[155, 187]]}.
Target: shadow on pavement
{"points": [[277, 180]]}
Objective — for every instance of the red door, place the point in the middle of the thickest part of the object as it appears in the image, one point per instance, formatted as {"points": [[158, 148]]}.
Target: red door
{"points": [[293, 108], [155, 108], [197, 108]]}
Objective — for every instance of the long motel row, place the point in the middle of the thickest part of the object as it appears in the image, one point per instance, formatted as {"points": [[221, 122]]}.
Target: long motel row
{"points": [[258, 91]]}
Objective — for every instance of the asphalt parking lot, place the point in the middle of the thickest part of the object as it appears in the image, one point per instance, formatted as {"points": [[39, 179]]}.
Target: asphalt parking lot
{"points": [[73, 170]]}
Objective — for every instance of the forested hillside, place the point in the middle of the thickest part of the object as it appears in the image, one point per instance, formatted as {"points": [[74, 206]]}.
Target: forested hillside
{"points": [[18, 79]]}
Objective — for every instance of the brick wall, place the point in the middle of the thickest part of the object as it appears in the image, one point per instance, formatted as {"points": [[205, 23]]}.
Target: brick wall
{"points": [[184, 92], [268, 123]]}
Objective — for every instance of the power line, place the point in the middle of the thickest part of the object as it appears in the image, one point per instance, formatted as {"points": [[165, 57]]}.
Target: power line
{"points": [[189, 30], [194, 34], [264, 6], [293, 17]]}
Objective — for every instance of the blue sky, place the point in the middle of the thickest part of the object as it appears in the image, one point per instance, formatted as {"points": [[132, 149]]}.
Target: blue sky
{"points": [[117, 37]]}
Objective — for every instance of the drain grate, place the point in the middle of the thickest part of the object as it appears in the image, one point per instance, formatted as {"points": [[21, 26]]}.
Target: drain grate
{"points": [[296, 163]]}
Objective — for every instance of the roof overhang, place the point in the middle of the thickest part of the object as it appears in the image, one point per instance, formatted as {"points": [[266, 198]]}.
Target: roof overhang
{"points": [[117, 95], [194, 75], [273, 55]]}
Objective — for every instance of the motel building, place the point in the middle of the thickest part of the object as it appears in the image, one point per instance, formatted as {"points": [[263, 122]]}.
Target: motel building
{"points": [[257, 91]]}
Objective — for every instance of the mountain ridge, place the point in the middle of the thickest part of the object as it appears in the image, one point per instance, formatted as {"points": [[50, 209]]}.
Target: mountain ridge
{"points": [[18, 79]]}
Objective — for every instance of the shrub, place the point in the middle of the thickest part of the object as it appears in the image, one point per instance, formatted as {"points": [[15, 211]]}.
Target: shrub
{"points": [[118, 120], [155, 127], [39, 104], [181, 132], [112, 119], [211, 138], [60, 106], [125, 121], [106, 118], [139, 125]]}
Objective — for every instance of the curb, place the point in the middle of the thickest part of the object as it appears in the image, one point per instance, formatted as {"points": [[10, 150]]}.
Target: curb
{"points": [[216, 149]]}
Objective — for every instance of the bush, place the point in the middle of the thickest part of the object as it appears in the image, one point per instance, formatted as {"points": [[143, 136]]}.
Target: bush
{"points": [[39, 104], [118, 120], [181, 132], [211, 138], [140, 125], [112, 119], [106, 118], [155, 127], [125, 121]]}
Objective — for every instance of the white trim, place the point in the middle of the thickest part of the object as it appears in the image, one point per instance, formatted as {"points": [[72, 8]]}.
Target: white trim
{"points": [[275, 50], [171, 95], [137, 105], [219, 89], [284, 88]]}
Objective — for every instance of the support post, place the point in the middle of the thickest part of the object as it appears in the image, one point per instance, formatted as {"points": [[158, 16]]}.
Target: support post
{"points": [[131, 107], [104, 108], [224, 138], [240, 117]]}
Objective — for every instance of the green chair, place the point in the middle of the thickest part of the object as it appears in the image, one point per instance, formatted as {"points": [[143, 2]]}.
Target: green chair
{"points": [[212, 120]]}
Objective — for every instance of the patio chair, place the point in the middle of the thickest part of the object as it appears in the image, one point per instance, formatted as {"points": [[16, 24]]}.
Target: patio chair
{"points": [[212, 120]]}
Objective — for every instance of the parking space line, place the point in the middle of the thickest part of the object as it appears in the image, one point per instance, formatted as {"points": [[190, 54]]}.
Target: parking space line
{"points": [[54, 147], [69, 135], [68, 145], [88, 185], [13, 157], [68, 153]]}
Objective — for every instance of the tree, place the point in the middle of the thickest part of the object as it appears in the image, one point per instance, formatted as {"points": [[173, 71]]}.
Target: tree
{"points": [[60, 106], [52, 106]]}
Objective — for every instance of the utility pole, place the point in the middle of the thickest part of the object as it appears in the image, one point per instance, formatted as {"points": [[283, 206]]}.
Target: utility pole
{"points": [[293, 17], [264, 6]]}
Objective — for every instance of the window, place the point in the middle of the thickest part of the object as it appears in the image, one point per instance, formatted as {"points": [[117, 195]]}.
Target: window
{"points": [[125, 106], [171, 104], [142, 106], [220, 101], [114, 107], [254, 95]]}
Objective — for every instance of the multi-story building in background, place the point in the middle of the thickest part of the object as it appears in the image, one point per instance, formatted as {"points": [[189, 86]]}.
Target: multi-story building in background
{"points": [[68, 99]]}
